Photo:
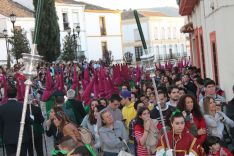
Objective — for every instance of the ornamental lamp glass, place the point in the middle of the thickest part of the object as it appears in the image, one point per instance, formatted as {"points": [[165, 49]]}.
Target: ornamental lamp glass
{"points": [[4, 32], [78, 28], [68, 30], [31, 62], [12, 17]]}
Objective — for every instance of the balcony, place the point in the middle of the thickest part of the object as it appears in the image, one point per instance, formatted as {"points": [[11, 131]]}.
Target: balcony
{"points": [[186, 6]]}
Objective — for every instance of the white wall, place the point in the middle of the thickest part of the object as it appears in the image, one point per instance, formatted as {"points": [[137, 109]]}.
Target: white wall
{"points": [[148, 26], [113, 35], [218, 20], [70, 9], [27, 24], [128, 31]]}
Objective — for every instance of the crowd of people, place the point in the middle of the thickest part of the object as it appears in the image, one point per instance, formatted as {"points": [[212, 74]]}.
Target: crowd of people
{"points": [[92, 109]]}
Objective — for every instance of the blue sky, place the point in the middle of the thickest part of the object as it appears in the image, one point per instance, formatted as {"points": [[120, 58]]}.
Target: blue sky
{"points": [[134, 4]]}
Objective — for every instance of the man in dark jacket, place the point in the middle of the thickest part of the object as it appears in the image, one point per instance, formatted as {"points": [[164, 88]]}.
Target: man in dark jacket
{"points": [[37, 129], [10, 116]]}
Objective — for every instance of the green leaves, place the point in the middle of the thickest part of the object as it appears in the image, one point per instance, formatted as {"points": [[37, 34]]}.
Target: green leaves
{"points": [[20, 44], [70, 47], [49, 33]]}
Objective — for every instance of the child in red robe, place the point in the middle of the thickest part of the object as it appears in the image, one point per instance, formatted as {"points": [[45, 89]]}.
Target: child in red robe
{"points": [[213, 147], [181, 141]]}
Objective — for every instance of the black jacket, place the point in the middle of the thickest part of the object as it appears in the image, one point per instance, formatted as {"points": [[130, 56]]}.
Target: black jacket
{"points": [[10, 117], [79, 110]]}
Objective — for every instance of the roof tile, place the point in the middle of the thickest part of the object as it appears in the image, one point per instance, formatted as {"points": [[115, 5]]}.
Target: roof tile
{"points": [[9, 6]]}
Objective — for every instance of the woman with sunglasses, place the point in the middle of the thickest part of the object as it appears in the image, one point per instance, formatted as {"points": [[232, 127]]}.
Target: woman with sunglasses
{"points": [[216, 120], [181, 141], [62, 122]]}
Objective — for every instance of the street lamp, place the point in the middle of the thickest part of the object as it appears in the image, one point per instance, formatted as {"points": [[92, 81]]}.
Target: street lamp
{"points": [[7, 48], [68, 30], [78, 29], [13, 19], [76, 35]]}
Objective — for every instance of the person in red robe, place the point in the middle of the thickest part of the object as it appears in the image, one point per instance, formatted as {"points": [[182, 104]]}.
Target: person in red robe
{"points": [[194, 120], [213, 148], [20, 79], [181, 141]]}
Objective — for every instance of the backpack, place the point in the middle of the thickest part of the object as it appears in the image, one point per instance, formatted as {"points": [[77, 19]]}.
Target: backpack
{"points": [[86, 136], [152, 138]]}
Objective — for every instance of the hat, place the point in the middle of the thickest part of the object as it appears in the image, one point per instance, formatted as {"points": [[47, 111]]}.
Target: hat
{"points": [[125, 94], [71, 94]]}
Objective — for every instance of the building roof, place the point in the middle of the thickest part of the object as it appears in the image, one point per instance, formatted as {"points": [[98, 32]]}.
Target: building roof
{"points": [[9, 6], [87, 5], [126, 15]]}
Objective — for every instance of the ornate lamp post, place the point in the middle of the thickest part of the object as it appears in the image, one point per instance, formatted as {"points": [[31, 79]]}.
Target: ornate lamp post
{"points": [[13, 19], [76, 36], [7, 48], [128, 57]]}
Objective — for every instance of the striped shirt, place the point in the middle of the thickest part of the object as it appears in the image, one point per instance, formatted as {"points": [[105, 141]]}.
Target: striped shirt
{"points": [[141, 150]]}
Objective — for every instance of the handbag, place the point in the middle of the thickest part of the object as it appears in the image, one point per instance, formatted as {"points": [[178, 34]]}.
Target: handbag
{"points": [[152, 138], [123, 152]]}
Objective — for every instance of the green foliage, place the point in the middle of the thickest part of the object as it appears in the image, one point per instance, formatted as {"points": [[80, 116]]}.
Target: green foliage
{"points": [[20, 44], [69, 48], [49, 34]]}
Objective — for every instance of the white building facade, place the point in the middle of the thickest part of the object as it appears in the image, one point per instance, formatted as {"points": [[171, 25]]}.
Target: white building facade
{"points": [[91, 19], [103, 31], [211, 35], [161, 32], [24, 20]]}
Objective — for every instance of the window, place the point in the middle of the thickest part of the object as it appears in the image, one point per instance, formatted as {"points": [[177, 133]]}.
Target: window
{"points": [[174, 32], [75, 19], [203, 55], [102, 23], [169, 33], [65, 21], [215, 63], [170, 52], [156, 33], [138, 53], [104, 48], [214, 57], [163, 33], [136, 35]]}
